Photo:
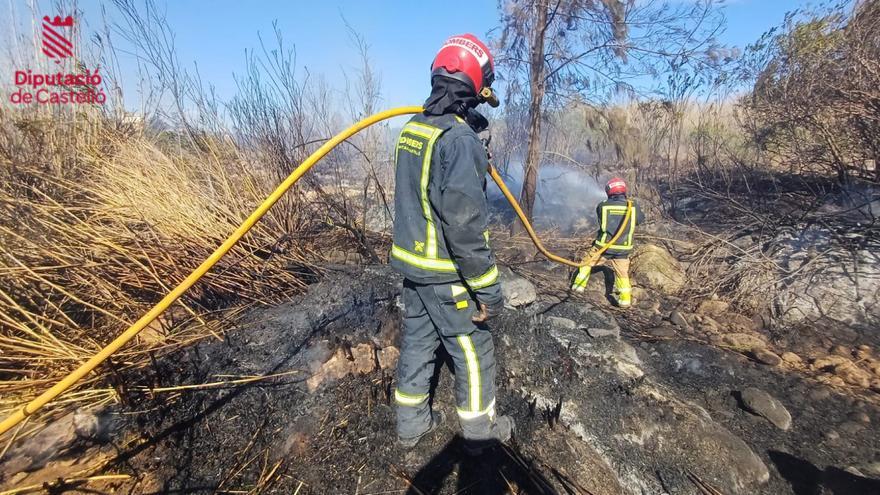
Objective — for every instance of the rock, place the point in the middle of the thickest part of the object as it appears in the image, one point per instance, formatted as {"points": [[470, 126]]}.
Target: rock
{"points": [[875, 368], [864, 352], [17, 478], [851, 427], [652, 266], [713, 307], [840, 350], [764, 356], [875, 385], [871, 469], [820, 393], [791, 358], [853, 375], [388, 357], [739, 323], [834, 381], [516, 290], [597, 333], [678, 320], [662, 332], [710, 325], [364, 358], [361, 359], [859, 416], [744, 342], [832, 435], [764, 405], [560, 322], [828, 363], [88, 425], [597, 323]]}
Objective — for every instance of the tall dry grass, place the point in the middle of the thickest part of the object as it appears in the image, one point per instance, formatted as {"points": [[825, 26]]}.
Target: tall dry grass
{"points": [[99, 224]]}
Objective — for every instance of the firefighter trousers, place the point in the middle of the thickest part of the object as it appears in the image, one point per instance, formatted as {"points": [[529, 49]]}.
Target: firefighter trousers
{"points": [[622, 285], [435, 315]]}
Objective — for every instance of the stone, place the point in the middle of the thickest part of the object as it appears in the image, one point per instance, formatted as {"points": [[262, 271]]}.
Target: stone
{"points": [[767, 357], [710, 325], [853, 375], [88, 425], [665, 331], [677, 319], [517, 291], [840, 350], [791, 358], [851, 427], [388, 357], [820, 393], [875, 385], [828, 363], [364, 358], [832, 435], [596, 323], [875, 368], [713, 308], [864, 352], [859, 416], [834, 381], [560, 322], [17, 478], [597, 333], [744, 342], [764, 405], [653, 267]]}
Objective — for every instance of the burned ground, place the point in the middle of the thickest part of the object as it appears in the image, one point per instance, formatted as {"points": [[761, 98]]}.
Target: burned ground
{"points": [[656, 409]]}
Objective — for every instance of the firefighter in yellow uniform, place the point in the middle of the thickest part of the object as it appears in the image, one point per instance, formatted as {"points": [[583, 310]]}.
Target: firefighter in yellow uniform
{"points": [[610, 216]]}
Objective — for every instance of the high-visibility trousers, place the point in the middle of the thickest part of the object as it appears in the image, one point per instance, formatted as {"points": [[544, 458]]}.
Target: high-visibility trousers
{"points": [[435, 315], [622, 285]]}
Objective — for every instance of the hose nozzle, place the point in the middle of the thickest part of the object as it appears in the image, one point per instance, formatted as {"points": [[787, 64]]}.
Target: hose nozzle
{"points": [[489, 97]]}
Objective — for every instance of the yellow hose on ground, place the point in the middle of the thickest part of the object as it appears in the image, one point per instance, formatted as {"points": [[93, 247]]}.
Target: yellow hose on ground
{"points": [[84, 369], [69, 380]]}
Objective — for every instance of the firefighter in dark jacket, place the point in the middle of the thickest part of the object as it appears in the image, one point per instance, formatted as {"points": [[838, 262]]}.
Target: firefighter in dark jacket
{"points": [[441, 246], [610, 215]]}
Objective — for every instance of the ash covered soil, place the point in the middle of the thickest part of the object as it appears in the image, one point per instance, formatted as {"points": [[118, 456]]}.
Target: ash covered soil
{"points": [[657, 399]]}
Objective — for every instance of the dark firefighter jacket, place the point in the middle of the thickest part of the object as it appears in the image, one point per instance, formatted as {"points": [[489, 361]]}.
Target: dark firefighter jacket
{"points": [[441, 217], [610, 214]]}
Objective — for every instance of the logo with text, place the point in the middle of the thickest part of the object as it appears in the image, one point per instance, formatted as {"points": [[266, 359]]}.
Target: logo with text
{"points": [[59, 88]]}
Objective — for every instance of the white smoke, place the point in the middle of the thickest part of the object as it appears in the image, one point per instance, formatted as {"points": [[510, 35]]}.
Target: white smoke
{"points": [[566, 202]]}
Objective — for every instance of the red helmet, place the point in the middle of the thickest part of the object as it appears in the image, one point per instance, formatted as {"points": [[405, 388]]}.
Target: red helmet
{"points": [[615, 186], [466, 58]]}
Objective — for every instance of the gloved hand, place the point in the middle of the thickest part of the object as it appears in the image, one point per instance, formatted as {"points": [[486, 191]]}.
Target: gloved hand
{"points": [[486, 312]]}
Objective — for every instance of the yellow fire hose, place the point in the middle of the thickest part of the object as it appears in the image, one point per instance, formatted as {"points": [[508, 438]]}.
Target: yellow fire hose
{"points": [[70, 380]]}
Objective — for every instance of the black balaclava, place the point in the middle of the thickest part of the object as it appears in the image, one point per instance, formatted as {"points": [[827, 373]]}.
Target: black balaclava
{"points": [[453, 96]]}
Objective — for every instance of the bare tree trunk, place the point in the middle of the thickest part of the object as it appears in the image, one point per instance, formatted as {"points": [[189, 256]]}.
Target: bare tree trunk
{"points": [[536, 88]]}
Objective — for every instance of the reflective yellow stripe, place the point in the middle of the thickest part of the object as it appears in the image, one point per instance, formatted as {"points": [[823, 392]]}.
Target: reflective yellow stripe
{"points": [[430, 228], [484, 280], [465, 414], [626, 245], [409, 399], [434, 265], [473, 369], [419, 130], [457, 290], [461, 305], [420, 127]]}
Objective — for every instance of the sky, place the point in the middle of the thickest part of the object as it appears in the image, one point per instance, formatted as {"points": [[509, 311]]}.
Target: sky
{"points": [[403, 35]]}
